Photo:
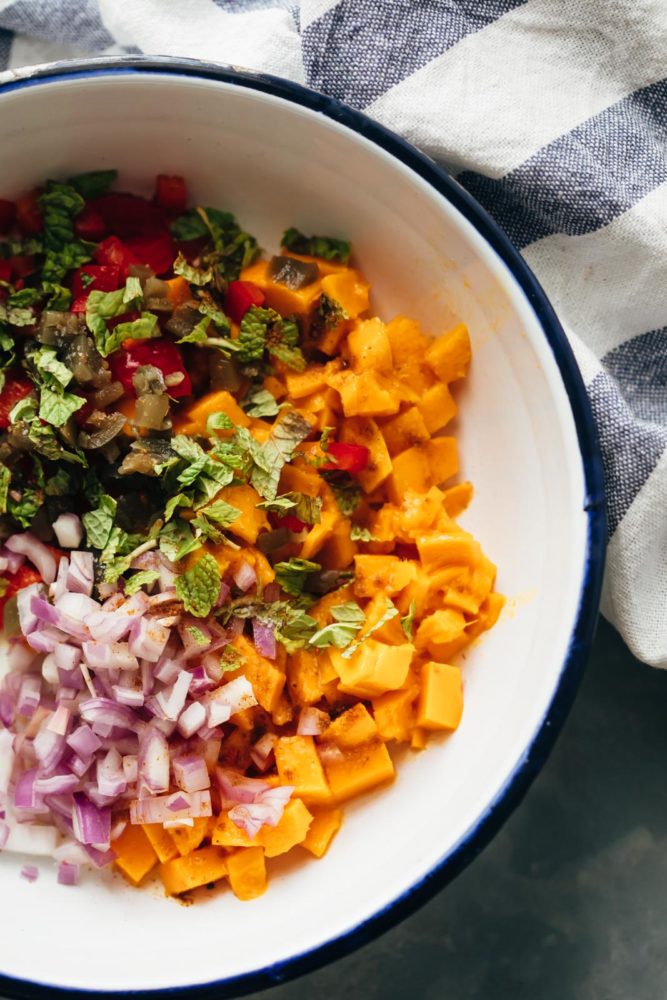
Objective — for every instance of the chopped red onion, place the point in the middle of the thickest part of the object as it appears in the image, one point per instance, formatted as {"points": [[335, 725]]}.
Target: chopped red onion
{"points": [[235, 787], [50, 670], [59, 618], [4, 834], [235, 627], [68, 874], [225, 591], [20, 658], [191, 645], [155, 809], [29, 695], [109, 656], [92, 826], [68, 531], [45, 639], [78, 766], [67, 657], [245, 576], [262, 751], [191, 719], [271, 592], [84, 742], [30, 873], [177, 802], [28, 620], [58, 784], [25, 796], [233, 697], [167, 670], [130, 768], [172, 699], [264, 639], [59, 587], [191, 774], [11, 561], [153, 763], [111, 780], [128, 696], [108, 626], [49, 748], [251, 817], [36, 552], [312, 722], [107, 711], [148, 639], [6, 760], [99, 858], [59, 721], [81, 573]]}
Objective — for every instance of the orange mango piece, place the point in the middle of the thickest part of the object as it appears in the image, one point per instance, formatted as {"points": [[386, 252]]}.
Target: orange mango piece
{"points": [[178, 291], [252, 519], [365, 431], [160, 841], [324, 827], [384, 573], [194, 416], [443, 458], [209, 864], [437, 407], [290, 831], [187, 838], [246, 870], [134, 853], [358, 770], [457, 498], [407, 341], [394, 713], [299, 765], [373, 669], [440, 704], [405, 431], [411, 470], [449, 355], [369, 346], [227, 834], [266, 680], [352, 728]]}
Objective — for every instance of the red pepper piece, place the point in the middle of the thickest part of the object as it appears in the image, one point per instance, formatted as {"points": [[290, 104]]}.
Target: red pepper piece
{"points": [[157, 252], [106, 278], [79, 305], [163, 354], [129, 215], [351, 458], [7, 215], [29, 214], [171, 193], [5, 270], [89, 224], [24, 576], [241, 296], [16, 387], [289, 521], [22, 265], [112, 251]]}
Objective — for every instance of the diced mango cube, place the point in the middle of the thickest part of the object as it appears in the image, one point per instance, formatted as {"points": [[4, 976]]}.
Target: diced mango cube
{"points": [[438, 630], [355, 771], [366, 394], [369, 346], [374, 668], [457, 498], [382, 574], [456, 548], [134, 853], [186, 838], [349, 289], [405, 430], [352, 728], [290, 831], [365, 431], [196, 414], [394, 713], [246, 870], [252, 520], [406, 339], [198, 868], [440, 704], [303, 677], [320, 533], [449, 355], [324, 827], [299, 765], [437, 407], [411, 470], [161, 842], [227, 834], [267, 681], [443, 458]]}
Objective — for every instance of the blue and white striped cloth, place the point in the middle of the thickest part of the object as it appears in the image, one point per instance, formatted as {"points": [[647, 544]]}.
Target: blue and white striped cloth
{"points": [[553, 113]]}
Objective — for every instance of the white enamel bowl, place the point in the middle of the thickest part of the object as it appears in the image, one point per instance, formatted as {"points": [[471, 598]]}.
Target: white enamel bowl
{"points": [[278, 155]]}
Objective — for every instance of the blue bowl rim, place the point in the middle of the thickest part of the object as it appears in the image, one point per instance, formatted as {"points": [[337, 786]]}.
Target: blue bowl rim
{"points": [[535, 754]]}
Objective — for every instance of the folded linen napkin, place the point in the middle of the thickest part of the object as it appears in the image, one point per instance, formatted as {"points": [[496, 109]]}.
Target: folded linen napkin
{"points": [[553, 113]]}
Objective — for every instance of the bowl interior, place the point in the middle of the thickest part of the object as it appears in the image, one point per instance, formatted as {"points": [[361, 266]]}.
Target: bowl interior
{"points": [[277, 164]]}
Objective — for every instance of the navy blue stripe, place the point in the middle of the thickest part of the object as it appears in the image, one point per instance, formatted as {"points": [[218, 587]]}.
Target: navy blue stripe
{"points": [[6, 39], [640, 369], [631, 448], [76, 23], [585, 178], [357, 51]]}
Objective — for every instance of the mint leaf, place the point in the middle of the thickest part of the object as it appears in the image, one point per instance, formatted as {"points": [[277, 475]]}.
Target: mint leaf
{"points": [[390, 613], [252, 334], [98, 523], [218, 422], [52, 372], [359, 534], [260, 403], [308, 509], [221, 513], [24, 297], [93, 183], [57, 407], [173, 503], [199, 587], [59, 297], [195, 275], [26, 508], [407, 622], [138, 329], [325, 247], [5, 480], [339, 634], [101, 306], [350, 613], [17, 315], [197, 635], [278, 449], [292, 575], [139, 580]]}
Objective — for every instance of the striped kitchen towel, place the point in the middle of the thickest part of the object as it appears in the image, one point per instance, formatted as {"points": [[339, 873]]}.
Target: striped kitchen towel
{"points": [[553, 113]]}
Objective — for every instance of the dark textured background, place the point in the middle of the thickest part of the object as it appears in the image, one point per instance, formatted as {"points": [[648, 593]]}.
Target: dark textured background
{"points": [[569, 902]]}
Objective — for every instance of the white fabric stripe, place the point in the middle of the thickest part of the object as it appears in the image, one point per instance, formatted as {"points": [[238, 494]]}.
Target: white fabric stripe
{"points": [[608, 286], [32, 51], [311, 10], [258, 39], [635, 582], [504, 92]]}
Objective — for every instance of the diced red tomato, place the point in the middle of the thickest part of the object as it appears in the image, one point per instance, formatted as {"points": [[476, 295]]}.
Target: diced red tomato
{"points": [[351, 458], [24, 576], [79, 305], [89, 224], [241, 296], [29, 214], [112, 251], [106, 278], [129, 215], [23, 265], [163, 354], [157, 252], [5, 270], [289, 521], [16, 387], [7, 215], [171, 193]]}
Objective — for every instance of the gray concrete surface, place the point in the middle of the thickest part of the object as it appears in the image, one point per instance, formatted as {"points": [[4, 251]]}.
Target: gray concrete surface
{"points": [[569, 901]]}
